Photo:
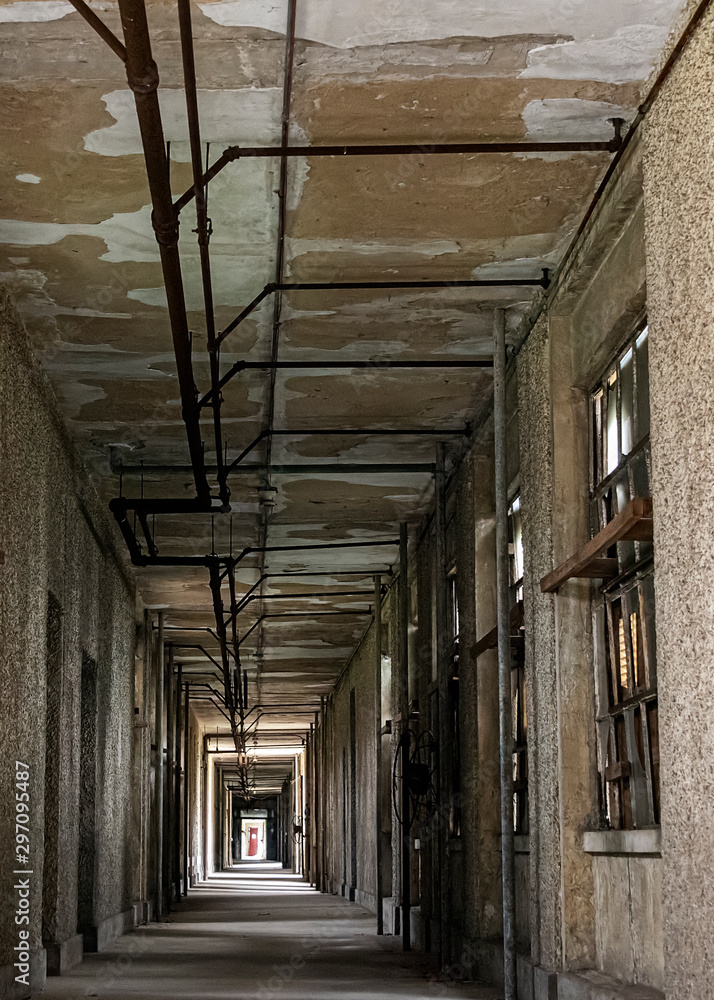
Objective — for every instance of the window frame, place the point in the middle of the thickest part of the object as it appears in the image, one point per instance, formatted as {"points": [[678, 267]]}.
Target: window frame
{"points": [[624, 642]]}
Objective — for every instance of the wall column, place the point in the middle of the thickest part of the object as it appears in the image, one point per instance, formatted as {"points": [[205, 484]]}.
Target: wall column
{"points": [[679, 245]]}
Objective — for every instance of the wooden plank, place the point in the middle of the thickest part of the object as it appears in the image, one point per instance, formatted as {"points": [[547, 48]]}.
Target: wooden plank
{"points": [[633, 523], [490, 640]]}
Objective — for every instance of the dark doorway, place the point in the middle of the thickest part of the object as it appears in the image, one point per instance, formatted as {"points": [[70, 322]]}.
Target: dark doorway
{"points": [[87, 805], [53, 681]]}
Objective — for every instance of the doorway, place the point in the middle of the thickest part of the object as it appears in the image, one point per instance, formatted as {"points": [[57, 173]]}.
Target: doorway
{"points": [[253, 839]]}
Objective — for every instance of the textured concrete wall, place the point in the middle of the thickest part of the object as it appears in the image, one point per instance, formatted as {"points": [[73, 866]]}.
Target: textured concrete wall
{"points": [[679, 194], [55, 539], [536, 505], [573, 898], [351, 809], [628, 919]]}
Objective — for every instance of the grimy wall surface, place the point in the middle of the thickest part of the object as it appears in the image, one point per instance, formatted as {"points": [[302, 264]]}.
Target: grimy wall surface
{"points": [[350, 867], [679, 229], [67, 621]]}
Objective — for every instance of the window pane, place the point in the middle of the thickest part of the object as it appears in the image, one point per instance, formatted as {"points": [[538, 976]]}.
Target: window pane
{"points": [[613, 446], [643, 385], [626, 403]]}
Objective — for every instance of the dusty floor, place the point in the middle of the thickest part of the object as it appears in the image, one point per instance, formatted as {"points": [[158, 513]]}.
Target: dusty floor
{"points": [[253, 933]]}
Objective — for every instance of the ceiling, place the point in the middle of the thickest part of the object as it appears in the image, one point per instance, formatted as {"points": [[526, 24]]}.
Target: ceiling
{"points": [[78, 251]]}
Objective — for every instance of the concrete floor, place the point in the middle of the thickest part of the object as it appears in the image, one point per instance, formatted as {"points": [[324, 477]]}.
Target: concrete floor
{"points": [[258, 932]]}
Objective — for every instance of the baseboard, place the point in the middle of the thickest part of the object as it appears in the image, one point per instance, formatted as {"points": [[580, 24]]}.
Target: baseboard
{"points": [[106, 932], [64, 956], [10, 989], [591, 985]]}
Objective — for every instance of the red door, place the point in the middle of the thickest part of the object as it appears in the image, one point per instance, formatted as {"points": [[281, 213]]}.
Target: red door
{"points": [[252, 841]]}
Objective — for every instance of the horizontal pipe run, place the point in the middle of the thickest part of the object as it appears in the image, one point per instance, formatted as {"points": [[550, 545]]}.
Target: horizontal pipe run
{"points": [[304, 615], [300, 597], [435, 149], [233, 153], [105, 33], [139, 559], [293, 286], [338, 468], [351, 432], [346, 366]]}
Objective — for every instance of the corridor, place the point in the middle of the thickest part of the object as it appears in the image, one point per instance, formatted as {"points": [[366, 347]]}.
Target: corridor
{"points": [[256, 932], [357, 499]]}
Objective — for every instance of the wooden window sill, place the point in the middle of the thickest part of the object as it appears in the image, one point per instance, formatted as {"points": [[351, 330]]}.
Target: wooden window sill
{"points": [[632, 524]]}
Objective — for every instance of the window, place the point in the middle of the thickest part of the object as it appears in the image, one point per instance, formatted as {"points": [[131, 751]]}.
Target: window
{"points": [[518, 676], [455, 708], [623, 609]]}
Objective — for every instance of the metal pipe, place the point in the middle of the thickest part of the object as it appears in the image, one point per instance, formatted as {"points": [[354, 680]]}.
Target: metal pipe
{"points": [[143, 79], [542, 282], [445, 735], [203, 229], [322, 593], [218, 610], [393, 149], [186, 795], [159, 771], [343, 432], [404, 712], [378, 739], [100, 27], [347, 366], [169, 694], [504, 654], [177, 787], [323, 794]]}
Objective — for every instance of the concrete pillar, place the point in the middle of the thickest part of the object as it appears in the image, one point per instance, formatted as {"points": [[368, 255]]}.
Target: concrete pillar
{"points": [[483, 772], [577, 776], [679, 242], [536, 457]]}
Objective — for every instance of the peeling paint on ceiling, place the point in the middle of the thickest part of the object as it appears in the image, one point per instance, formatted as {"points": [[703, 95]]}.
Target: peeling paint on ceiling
{"points": [[78, 251]]}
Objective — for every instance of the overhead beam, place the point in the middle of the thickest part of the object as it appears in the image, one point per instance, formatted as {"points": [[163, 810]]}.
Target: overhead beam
{"points": [[233, 153], [295, 286], [431, 364]]}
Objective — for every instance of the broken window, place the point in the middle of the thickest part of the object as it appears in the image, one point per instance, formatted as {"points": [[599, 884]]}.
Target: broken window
{"points": [[623, 609], [518, 677]]}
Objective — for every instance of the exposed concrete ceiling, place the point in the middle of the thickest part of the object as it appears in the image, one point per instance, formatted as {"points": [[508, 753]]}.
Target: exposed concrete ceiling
{"points": [[78, 250]]}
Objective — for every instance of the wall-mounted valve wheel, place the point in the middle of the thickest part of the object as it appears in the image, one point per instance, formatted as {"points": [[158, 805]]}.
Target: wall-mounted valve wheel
{"points": [[421, 776]]}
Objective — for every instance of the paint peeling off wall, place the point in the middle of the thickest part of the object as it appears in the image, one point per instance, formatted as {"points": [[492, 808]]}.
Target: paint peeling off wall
{"points": [[626, 56], [372, 22], [572, 119], [250, 116], [34, 10], [266, 14]]}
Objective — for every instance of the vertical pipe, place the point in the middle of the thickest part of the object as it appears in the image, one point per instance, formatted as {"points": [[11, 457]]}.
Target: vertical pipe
{"points": [[317, 807], [378, 747], [169, 695], [310, 803], [159, 775], [404, 712], [204, 803], [323, 793], [442, 678], [177, 789], [504, 654], [143, 79], [186, 800]]}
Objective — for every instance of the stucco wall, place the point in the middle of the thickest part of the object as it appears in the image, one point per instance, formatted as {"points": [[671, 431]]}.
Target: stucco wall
{"points": [[345, 856], [679, 195], [55, 538]]}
